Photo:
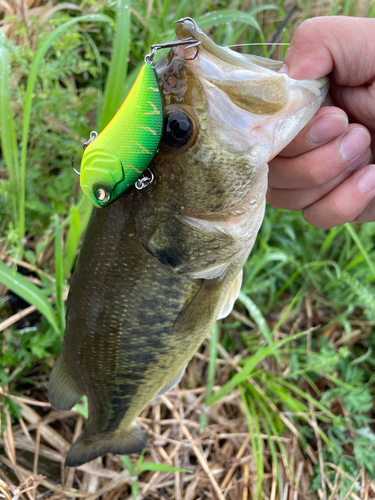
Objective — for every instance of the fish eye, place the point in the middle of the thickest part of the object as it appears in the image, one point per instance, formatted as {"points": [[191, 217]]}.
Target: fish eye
{"points": [[179, 129], [102, 195]]}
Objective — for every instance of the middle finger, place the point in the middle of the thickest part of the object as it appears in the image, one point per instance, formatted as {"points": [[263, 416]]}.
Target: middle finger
{"points": [[297, 199], [323, 164]]}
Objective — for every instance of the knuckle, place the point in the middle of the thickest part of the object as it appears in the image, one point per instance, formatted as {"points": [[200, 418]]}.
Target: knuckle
{"points": [[342, 212], [308, 33], [311, 218], [318, 176], [283, 198]]}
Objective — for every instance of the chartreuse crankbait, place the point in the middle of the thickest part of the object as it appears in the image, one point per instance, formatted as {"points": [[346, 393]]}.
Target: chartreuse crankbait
{"points": [[116, 158]]}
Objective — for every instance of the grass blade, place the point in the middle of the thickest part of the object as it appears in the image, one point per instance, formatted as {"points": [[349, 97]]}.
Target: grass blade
{"points": [[127, 464], [119, 64], [258, 317], [361, 248], [227, 16], [211, 372], [308, 397], [83, 408], [160, 467], [29, 292], [253, 438], [249, 366], [59, 274], [71, 241], [84, 208], [259, 455], [261, 8], [8, 136], [41, 52]]}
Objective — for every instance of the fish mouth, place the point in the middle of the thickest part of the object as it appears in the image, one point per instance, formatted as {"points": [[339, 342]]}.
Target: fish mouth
{"points": [[252, 108]]}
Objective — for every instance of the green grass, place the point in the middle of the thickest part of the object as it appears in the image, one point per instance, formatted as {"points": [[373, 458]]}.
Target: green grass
{"points": [[291, 265]]}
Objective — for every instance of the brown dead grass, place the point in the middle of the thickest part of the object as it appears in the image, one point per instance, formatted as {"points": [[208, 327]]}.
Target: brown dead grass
{"points": [[220, 457], [14, 11]]}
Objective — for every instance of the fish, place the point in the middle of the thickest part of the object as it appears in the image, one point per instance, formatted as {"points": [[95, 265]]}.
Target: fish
{"points": [[159, 266]]}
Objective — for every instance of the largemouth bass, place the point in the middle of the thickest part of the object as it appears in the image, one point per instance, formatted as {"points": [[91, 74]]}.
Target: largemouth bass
{"points": [[159, 266]]}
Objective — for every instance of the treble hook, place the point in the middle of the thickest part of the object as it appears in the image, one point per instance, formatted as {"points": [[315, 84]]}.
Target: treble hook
{"points": [[189, 42], [144, 181], [73, 167], [93, 136]]}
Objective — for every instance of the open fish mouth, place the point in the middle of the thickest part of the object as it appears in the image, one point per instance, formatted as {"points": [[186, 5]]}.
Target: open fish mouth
{"points": [[252, 107]]}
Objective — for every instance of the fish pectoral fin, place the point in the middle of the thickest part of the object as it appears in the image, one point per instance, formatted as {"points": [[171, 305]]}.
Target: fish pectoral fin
{"points": [[231, 297], [88, 447], [202, 269], [202, 311], [63, 392], [171, 384]]}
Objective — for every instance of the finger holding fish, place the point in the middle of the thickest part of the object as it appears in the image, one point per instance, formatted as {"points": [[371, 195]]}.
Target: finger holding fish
{"points": [[347, 153], [313, 179], [328, 123]]}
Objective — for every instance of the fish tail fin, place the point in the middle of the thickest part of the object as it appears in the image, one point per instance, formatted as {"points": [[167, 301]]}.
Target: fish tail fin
{"points": [[63, 392], [86, 448]]}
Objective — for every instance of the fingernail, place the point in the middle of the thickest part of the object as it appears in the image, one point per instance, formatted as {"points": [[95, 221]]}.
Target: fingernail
{"points": [[327, 127], [354, 143], [284, 69], [366, 182], [362, 160]]}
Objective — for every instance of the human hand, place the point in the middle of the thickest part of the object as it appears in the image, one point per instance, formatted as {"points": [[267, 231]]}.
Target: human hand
{"points": [[325, 170]]}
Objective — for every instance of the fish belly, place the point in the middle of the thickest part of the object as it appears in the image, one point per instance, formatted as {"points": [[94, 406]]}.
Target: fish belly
{"points": [[132, 325]]}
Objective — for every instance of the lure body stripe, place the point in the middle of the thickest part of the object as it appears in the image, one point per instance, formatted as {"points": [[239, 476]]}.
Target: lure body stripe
{"points": [[125, 148]]}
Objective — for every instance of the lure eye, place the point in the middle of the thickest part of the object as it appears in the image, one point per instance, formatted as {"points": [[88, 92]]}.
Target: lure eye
{"points": [[179, 129], [102, 195]]}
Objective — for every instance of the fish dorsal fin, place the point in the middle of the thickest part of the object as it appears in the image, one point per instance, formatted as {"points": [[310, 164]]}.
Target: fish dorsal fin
{"points": [[63, 392]]}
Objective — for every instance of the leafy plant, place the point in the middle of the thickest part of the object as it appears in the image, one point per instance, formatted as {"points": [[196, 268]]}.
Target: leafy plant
{"points": [[144, 466]]}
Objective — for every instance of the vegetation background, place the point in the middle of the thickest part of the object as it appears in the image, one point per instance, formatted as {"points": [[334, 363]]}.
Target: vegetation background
{"points": [[279, 402]]}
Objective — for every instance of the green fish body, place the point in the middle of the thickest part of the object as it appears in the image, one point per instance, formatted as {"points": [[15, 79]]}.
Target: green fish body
{"points": [[159, 266]]}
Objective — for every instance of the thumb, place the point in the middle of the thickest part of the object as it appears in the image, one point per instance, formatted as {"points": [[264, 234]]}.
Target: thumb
{"points": [[343, 46]]}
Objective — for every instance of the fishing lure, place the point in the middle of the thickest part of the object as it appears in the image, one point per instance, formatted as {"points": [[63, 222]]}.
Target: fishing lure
{"points": [[115, 159]]}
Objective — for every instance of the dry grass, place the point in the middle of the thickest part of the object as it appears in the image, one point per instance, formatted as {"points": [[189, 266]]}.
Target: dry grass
{"points": [[220, 457], [14, 11]]}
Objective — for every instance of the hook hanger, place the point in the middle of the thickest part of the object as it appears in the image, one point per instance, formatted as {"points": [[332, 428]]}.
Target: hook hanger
{"points": [[189, 42]]}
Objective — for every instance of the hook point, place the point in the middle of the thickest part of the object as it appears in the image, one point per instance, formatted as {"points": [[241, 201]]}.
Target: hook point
{"points": [[73, 167]]}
